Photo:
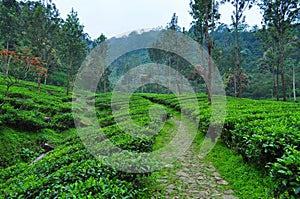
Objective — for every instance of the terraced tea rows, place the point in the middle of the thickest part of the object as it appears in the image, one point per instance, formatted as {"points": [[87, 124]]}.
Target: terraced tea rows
{"points": [[70, 170], [263, 132]]}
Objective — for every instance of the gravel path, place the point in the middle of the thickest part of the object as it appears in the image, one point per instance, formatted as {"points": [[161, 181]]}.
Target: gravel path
{"points": [[192, 177]]}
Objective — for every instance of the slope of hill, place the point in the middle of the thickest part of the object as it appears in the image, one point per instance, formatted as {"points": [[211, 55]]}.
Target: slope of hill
{"points": [[264, 133]]}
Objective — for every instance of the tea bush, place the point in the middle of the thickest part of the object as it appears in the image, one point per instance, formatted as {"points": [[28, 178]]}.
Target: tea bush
{"points": [[265, 133]]}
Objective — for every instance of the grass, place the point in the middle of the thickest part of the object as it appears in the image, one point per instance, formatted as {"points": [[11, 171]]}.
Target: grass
{"points": [[165, 135], [246, 180]]}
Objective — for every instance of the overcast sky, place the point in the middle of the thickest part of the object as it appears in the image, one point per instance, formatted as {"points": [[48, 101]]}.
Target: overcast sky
{"points": [[115, 17]]}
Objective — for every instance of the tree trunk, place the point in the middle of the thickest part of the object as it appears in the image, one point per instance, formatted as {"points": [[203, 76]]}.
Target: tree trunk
{"points": [[4, 68], [234, 83], [45, 81], [211, 66], [39, 83], [6, 63], [237, 57], [69, 78], [277, 83], [275, 75], [157, 83], [47, 65], [209, 47], [294, 84], [6, 92], [169, 75], [8, 85], [274, 80], [104, 85], [281, 64]]}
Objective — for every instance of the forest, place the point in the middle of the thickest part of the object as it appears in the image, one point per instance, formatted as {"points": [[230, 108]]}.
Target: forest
{"points": [[50, 148]]}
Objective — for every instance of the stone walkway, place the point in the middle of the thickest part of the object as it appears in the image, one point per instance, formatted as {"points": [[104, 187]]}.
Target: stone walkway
{"points": [[192, 177]]}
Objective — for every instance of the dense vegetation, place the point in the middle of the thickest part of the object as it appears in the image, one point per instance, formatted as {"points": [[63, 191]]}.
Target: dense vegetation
{"points": [[70, 170], [265, 133], [35, 29], [260, 136]]}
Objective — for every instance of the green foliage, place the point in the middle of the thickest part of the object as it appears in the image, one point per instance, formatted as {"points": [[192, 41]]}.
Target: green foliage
{"points": [[245, 179], [286, 172], [27, 154], [70, 170], [264, 133], [63, 122]]}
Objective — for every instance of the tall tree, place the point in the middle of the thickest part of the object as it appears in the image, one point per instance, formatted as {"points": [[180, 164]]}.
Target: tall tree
{"points": [[205, 14], [173, 25], [104, 83], [9, 22], [72, 48], [41, 25], [280, 15], [9, 27], [238, 18], [170, 39], [99, 40], [269, 61]]}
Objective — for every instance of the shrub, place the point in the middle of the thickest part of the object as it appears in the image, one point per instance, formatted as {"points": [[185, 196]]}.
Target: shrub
{"points": [[286, 174], [27, 154], [63, 121]]}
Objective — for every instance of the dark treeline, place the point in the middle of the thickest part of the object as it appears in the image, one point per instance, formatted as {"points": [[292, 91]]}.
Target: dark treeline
{"points": [[38, 45]]}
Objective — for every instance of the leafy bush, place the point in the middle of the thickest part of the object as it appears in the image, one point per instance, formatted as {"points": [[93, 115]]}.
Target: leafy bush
{"points": [[63, 121], [286, 174], [263, 132], [27, 154]]}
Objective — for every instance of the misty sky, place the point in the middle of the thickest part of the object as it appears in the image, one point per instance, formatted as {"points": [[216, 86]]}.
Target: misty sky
{"points": [[115, 17]]}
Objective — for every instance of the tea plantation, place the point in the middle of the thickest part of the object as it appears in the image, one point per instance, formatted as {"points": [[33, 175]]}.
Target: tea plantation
{"points": [[265, 134]]}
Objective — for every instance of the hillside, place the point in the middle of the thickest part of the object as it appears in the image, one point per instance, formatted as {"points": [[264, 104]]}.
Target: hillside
{"points": [[258, 153], [206, 111]]}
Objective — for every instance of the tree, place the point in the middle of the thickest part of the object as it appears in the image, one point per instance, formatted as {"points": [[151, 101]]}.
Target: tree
{"points": [[9, 22], [205, 14], [72, 48], [269, 61], [173, 25], [238, 18], [19, 63], [41, 25], [99, 40], [279, 15], [103, 84], [9, 26], [170, 38]]}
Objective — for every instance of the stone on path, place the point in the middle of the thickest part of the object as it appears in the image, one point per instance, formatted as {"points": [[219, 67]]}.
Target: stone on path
{"points": [[194, 179]]}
